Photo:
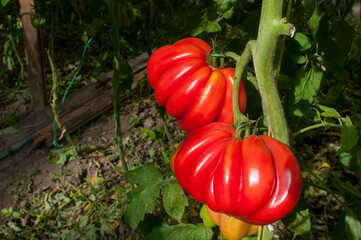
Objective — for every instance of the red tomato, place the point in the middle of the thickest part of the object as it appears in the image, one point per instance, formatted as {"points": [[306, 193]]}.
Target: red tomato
{"points": [[192, 91], [257, 180]]}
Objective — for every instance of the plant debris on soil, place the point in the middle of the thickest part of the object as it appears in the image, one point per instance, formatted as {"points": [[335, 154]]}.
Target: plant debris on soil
{"points": [[29, 176]]}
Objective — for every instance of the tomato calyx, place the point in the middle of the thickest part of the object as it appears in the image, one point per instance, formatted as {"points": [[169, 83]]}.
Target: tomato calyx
{"points": [[246, 127], [216, 57], [216, 60]]}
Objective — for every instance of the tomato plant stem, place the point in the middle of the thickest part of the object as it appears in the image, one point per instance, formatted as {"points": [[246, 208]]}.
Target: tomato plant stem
{"points": [[166, 130], [271, 27], [116, 85], [314, 127], [241, 64]]}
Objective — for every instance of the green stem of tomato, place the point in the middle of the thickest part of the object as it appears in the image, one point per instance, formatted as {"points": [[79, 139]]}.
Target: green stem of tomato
{"points": [[271, 27], [241, 64], [314, 127], [116, 87]]}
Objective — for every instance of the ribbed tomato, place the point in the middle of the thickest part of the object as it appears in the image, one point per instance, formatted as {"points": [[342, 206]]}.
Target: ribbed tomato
{"points": [[257, 179], [192, 91]]}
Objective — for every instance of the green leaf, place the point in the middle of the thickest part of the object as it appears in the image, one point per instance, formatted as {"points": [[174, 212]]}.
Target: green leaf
{"points": [[146, 226], [349, 138], [62, 156], [141, 201], [339, 232], [352, 225], [349, 188], [198, 30], [16, 214], [174, 200], [106, 228], [9, 130], [228, 14], [298, 221], [266, 234], [343, 34], [308, 83], [285, 82], [162, 232], [251, 78], [180, 232], [207, 221], [143, 174], [70, 234], [125, 77], [327, 44], [191, 232], [4, 211], [213, 26], [303, 42], [329, 112], [314, 21], [309, 7], [92, 232], [4, 2], [346, 160], [298, 58]]}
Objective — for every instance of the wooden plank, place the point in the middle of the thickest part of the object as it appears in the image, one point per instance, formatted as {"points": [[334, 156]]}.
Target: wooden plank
{"points": [[82, 115], [81, 100], [34, 58], [73, 120]]}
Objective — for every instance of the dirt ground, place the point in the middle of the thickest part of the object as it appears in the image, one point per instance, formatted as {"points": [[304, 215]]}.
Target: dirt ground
{"points": [[29, 171]]}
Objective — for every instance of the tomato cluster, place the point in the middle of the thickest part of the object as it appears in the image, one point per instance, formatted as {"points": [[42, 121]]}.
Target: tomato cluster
{"points": [[255, 180], [193, 91]]}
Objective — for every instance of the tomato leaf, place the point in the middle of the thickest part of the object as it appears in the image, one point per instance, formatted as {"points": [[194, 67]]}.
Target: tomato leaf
{"points": [[92, 232], [309, 7], [308, 84], [174, 200], [314, 21], [180, 232], [162, 232], [143, 174], [142, 198], [346, 160], [343, 35], [191, 232], [4, 2], [353, 226], [125, 77], [207, 221], [106, 228], [298, 221], [228, 14], [62, 156], [349, 138], [266, 234], [329, 112], [141, 201], [302, 42], [213, 26]]}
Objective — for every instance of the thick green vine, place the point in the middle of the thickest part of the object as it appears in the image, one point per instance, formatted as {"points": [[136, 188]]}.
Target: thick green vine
{"points": [[272, 25]]}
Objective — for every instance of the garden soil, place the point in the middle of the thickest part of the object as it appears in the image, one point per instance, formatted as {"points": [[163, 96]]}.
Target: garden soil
{"points": [[29, 172]]}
